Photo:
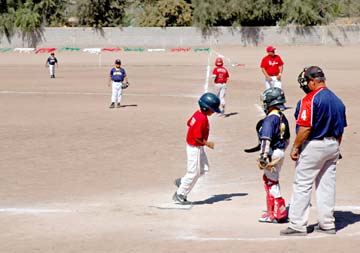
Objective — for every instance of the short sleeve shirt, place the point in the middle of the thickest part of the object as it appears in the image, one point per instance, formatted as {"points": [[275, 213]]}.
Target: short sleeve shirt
{"points": [[198, 128], [221, 74], [117, 75], [324, 112], [275, 127], [52, 60], [272, 64]]}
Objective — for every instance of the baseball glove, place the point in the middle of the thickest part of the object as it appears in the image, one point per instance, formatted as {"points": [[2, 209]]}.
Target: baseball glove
{"points": [[125, 85], [264, 163]]}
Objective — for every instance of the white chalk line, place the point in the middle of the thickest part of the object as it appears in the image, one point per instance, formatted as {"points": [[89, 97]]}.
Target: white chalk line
{"points": [[34, 210], [93, 93], [97, 206], [265, 239]]}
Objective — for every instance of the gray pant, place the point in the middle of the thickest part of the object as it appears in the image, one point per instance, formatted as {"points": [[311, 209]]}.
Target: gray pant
{"points": [[317, 163]]}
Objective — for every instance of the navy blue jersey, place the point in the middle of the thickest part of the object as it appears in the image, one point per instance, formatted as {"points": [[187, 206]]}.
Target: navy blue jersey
{"points": [[275, 128], [117, 75], [324, 112], [51, 60]]}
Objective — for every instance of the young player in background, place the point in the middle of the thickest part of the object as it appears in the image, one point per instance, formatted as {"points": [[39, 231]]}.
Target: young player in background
{"points": [[51, 62], [197, 138], [119, 81], [221, 76]]}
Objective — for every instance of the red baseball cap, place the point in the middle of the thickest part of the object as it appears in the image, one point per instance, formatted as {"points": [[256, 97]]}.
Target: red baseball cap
{"points": [[270, 49]]}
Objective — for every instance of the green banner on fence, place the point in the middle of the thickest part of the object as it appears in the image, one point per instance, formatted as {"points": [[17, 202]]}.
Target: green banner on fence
{"points": [[202, 49], [5, 49], [69, 49], [135, 49]]}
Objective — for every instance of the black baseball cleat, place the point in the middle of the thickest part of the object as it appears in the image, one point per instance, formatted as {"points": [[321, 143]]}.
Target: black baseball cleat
{"points": [[112, 106], [118, 105], [180, 199], [292, 232], [331, 231]]}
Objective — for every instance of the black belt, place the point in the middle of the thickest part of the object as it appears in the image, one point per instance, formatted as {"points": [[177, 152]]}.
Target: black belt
{"points": [[322, 138], [117, 81]]}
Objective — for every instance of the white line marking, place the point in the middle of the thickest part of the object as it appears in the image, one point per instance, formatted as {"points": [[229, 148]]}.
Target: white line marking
{"points": [[33, 210], [92, 93], [347, 208], [258, 239]]}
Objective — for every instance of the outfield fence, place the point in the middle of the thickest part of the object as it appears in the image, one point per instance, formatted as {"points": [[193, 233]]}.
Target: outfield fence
{"points": [[182, 37]]}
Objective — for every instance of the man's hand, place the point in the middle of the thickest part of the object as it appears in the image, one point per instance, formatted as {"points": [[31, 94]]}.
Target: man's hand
{"points": [[295, 153]]}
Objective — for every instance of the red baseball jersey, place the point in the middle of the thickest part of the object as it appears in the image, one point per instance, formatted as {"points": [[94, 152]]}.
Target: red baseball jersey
{"points": [[198, 128], [221, 74], [272, 64]]}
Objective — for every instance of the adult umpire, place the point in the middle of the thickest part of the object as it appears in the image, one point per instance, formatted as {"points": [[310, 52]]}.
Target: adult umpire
{"points": [[320, 121]]}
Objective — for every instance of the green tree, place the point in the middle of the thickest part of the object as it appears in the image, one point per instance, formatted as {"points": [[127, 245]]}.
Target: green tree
{"points": [[209, 13], [101, 13], [29, 16], [310, 12], [165, 13]]}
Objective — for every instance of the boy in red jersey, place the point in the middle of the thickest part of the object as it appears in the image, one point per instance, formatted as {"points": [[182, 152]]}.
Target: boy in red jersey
{"points": [[272, 68], [197, 138], [221, 76]]}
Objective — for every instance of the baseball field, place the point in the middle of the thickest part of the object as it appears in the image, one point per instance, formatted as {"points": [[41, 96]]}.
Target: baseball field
{"points": [[76, 176]]}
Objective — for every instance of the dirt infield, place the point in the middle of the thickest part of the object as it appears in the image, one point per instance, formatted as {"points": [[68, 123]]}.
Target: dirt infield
{"points": [[79, 177]]}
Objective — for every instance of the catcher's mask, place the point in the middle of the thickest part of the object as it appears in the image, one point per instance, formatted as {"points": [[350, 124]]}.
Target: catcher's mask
{"points": [[219, 61], [209, 101], [308, 73], [273, 97]]}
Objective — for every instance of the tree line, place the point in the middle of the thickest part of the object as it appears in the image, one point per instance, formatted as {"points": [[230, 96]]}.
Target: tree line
{"points": [[29, 17]]}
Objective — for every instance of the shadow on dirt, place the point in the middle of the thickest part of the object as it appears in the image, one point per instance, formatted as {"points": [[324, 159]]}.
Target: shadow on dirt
{"points": [[230, 114], [218, 198], [345, 218], [342, 220], [132, 105]]}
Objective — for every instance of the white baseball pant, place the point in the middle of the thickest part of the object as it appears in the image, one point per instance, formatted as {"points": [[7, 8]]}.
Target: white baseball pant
{"points": [[116, 93], [275, 176], [317, 164], [273, 83], [197, 165], [220, 91], [52, 69]]}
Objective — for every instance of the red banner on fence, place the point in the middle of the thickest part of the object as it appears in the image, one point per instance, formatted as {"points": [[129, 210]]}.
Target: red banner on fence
{"points": [[111, 49], [180, 49], [45, 50]]}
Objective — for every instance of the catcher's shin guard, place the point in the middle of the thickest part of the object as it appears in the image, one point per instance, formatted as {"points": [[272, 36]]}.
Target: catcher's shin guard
{"points": [[280, 212], [270, 201], [276, 207]]}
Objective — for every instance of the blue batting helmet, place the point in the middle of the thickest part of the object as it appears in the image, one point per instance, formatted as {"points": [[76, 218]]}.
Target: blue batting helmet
{"points": [[209, 101]]}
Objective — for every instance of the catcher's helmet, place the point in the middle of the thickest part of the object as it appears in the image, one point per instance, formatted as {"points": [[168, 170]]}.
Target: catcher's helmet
{"points": [[309, 73], [273, 97], [219, 61], [209, 101]]}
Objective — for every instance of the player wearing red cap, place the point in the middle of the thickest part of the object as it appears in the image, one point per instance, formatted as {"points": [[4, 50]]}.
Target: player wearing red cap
{"points": [[272, 68], [221, 76]]}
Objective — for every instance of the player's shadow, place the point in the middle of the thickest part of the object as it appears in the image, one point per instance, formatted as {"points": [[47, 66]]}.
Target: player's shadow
{"points": [[218, 198], [226, 115], [131, 105], [342, 220]]}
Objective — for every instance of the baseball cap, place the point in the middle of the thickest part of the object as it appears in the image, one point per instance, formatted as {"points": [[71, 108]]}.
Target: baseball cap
{"points": [[52, 54], [117, 61], [314, 72], [270, 49]]}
